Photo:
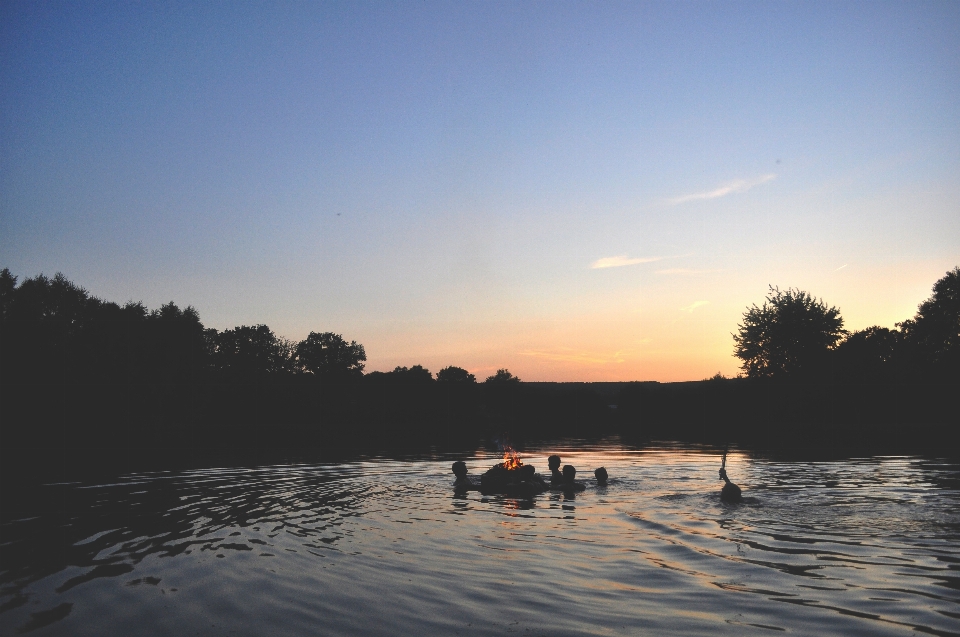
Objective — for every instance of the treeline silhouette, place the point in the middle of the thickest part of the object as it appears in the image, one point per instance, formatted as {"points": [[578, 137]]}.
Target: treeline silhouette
{"points": [[77, 371], [80, 372]]}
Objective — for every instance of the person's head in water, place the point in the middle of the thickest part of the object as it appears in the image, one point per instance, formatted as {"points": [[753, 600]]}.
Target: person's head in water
{"points": [[554, 463], [460, 469], [569, 472], [601, 474]]}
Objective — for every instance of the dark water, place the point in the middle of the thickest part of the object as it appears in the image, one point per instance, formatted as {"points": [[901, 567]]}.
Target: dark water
{"points": [[864, 546]]}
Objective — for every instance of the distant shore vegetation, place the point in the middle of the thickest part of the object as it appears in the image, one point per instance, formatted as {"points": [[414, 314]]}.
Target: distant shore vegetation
{"points": [[79, 371]]}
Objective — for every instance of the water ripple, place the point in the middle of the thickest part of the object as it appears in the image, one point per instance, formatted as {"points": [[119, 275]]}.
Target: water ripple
{"points": [[378, 546]]}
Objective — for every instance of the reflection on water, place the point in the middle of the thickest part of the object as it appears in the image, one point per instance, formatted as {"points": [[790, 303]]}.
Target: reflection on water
{"points": [[865, 546]]}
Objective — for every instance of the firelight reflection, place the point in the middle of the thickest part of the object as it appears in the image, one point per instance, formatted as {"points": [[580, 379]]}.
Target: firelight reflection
{"points": [[863, 546]]}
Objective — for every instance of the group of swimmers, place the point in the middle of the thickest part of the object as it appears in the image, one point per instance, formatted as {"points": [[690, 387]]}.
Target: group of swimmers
{"points": [[525, 481], [565, 479]]}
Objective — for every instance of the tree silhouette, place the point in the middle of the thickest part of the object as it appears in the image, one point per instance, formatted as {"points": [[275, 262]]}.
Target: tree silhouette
{"points": [[415, 374], [868, 354], [791, 333], [249, 351], [177, 338], [8, 284], [455, 375], [329, 356], [934, 333]]}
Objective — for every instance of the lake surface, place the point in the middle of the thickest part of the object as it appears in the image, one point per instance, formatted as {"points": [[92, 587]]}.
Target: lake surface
{"points": [[862, 546]]}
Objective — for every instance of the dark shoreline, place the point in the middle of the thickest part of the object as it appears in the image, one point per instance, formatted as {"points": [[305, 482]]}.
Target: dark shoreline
{"points": [[305, 412], [46, 464]]}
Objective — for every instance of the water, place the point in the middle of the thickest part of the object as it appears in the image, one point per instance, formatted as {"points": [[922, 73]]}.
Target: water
{"points": [[864, 546]]}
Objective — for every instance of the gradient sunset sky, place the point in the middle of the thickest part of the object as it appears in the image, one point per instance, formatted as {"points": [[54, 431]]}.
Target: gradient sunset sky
{"points": [[571, 190]]}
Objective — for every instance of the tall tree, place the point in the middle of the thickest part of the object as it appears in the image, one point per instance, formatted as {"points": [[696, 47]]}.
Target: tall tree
{"points": [[8, 284], [934, 333], [792, 332]]}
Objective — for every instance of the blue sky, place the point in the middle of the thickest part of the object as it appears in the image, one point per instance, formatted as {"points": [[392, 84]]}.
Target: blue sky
{"points": [[439, 180]]}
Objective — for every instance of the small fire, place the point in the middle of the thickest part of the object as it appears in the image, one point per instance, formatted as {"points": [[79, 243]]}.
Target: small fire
{"points": [[511, 460]]}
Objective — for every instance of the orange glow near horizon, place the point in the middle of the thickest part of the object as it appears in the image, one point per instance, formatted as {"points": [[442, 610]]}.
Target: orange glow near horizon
{"points": [[676, 335]]}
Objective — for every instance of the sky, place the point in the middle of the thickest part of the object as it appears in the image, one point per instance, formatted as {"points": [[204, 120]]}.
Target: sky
{"points": [[574, 191]]}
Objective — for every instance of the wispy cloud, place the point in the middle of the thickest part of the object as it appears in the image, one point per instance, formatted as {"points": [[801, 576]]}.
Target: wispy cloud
{"points": [[738, 186], [620, 261], [694, 305]]}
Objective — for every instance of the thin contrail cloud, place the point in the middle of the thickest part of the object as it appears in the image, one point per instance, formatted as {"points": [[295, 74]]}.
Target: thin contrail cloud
{"points": [[620, 261], [738, 186], [690, 308]]}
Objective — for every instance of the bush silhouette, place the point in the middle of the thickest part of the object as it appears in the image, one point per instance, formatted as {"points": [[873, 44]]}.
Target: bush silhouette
{"points": [[415, 374], [502, 377], [455, 375]]}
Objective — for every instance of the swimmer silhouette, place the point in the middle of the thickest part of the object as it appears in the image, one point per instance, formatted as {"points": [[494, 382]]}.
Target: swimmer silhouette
{"points": [[730, 492], [601, 474], [462, 483], [568, 484], [555, 476]]}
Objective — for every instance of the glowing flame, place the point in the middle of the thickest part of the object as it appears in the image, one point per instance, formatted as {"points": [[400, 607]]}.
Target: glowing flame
{"points": [[511, 460]]}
